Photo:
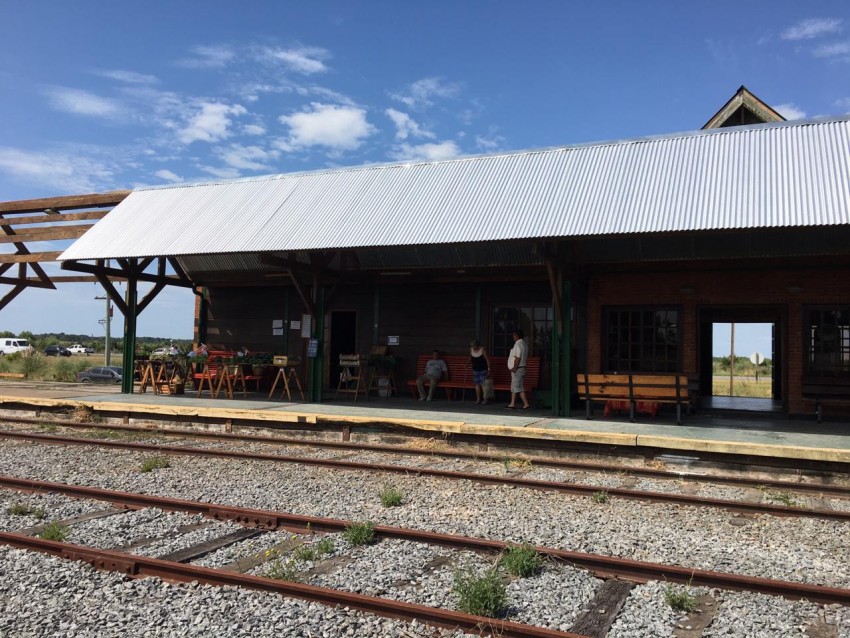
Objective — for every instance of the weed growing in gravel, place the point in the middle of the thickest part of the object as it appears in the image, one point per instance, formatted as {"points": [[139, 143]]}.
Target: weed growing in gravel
{"points": [[48, 427], [480, 595], [516, 464], [360, 533], [154, 463], [785, 498], [314, 552], [18, 509], [280, 569], [21, 509], [680, 599], [55, 532], [102, 433], [521, 560], [600, 497], [391, 496]]}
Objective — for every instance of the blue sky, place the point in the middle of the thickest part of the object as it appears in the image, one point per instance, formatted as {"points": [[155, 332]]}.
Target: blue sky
{"points": [[106, 95]]}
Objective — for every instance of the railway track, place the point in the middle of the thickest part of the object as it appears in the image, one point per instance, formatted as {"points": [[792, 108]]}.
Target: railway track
{"points": [[555, 486], [617, 573], [823, 487]]}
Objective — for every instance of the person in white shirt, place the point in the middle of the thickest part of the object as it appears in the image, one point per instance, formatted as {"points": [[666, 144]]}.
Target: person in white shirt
{"points": [[434, 371], [516, 364]]}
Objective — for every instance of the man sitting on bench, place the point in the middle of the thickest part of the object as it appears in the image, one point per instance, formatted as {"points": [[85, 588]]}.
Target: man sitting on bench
{"points": [[434, 371]]}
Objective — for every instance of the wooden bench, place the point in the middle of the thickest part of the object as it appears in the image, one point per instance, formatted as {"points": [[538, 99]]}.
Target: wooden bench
{"points": [[208, 372], [830, 390], [631, 388], [460, 373]]}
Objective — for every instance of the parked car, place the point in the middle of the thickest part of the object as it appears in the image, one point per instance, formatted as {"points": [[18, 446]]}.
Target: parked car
{"points": [[8, 346], [57, 351], [161, 352], [100, 374], [79, 349]]}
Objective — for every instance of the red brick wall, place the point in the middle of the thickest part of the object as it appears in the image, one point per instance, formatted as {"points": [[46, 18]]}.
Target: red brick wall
{"points": [[789, 288]]}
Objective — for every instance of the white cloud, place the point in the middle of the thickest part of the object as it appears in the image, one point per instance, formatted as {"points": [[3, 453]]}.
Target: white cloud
{"points": [[223, 173], [333, 126], [168, 176], [835, 50], [247, 157], [421, 94], [790, 112], [489, 143], [81, 102], [406, 126], [430, 152], [254, 129], [306, 60], [812, 28], [130, 77], [208, 57], [66, 172], [212, 123]]}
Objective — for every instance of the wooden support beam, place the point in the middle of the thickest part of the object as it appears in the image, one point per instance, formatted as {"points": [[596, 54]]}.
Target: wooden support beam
{"points": [[122, 273], [54, 219], [46, 234], [157, 288], [308, 304], [74, 279], [69, 202], [9, 258]]}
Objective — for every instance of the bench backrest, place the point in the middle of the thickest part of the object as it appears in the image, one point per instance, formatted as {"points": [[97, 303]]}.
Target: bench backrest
{"points": [[461, 372], [633, 386], [826, 386]]}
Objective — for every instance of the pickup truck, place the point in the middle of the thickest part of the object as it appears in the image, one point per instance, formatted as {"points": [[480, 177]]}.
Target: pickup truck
{"points": [[78, 349]]}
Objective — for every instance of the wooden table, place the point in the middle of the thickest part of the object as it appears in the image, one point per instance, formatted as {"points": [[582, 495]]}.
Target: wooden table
{"points": [[284, 374], [160, 375]]}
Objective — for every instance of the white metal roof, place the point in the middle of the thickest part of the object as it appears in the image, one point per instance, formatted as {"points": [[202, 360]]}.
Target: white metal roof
{"points": [[764, 176]]}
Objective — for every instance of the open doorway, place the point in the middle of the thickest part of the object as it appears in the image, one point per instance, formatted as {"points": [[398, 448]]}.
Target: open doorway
{"points": [[343, 341], [741, 363]]}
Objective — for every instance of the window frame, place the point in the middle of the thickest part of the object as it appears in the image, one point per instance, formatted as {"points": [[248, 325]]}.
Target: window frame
{"points": [[606, 345], [841, 369]]}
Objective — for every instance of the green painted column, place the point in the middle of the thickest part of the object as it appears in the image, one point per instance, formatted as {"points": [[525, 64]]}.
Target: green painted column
{"points": [[376, 317], [129, 351], [320, 352], [477, 331], [566, 350], [561, 356]]}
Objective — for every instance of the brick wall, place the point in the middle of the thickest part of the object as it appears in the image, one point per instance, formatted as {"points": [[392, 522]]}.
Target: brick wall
{"points": [[689, 289]]}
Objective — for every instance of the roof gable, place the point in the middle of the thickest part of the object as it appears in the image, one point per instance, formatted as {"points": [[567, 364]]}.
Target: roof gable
{"points": [[742, 109]]}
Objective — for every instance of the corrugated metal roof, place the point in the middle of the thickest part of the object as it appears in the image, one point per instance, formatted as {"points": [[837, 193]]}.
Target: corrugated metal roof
{"points": [[765, 176]]}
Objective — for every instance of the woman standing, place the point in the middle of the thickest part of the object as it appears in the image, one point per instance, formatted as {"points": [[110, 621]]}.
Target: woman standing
{"points": [[480, 369]]}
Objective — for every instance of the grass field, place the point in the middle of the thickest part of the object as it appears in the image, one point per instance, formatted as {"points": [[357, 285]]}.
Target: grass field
{"points": [[41, 368], [742, 387]]}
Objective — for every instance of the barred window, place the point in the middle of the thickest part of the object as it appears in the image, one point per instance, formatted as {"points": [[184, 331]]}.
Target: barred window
{"points": [[642, 340], [827, 341]]}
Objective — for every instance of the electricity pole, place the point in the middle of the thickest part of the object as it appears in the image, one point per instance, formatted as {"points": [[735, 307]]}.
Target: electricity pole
{"points": [[106, 321]]}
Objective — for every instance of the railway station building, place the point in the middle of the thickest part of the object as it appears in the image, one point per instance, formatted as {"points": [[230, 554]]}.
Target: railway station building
{"points": [[612, 257]]}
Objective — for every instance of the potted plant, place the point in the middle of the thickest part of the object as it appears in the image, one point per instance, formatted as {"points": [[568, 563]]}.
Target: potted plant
{"points": [[383, 363]]}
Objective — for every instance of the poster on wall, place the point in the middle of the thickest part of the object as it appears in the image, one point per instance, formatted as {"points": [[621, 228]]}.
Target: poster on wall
{"points": [[392, 340], [277, 327], [312, 348], [305, 326], [295, 325]]}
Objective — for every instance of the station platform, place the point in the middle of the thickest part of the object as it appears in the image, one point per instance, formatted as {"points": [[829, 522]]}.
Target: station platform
{"points": [[758, 434]]}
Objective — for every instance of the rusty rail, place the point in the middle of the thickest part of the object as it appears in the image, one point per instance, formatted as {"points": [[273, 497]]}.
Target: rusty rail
{"points": [[140, 566], [555, 486], [541, 461], [601, 566]]}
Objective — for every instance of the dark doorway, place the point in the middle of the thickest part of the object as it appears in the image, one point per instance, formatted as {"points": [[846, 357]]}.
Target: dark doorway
{"points": [[343, 341], [745, 331]]}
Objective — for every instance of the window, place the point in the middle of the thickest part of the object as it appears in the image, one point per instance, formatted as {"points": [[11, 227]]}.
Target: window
{"points": [[536, 322], [827, 341], [642, 340]]}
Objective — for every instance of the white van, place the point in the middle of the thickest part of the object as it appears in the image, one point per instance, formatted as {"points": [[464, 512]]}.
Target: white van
{"points": [[8, 346]]}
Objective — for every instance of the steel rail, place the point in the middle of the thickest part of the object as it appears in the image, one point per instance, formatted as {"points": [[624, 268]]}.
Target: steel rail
{"points": [[601, 566], [140, 566], [822, 489], [555, 486]]}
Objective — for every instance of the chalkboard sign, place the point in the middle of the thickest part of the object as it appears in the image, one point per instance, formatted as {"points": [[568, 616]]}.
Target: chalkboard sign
{"points": [[312, 348]]}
